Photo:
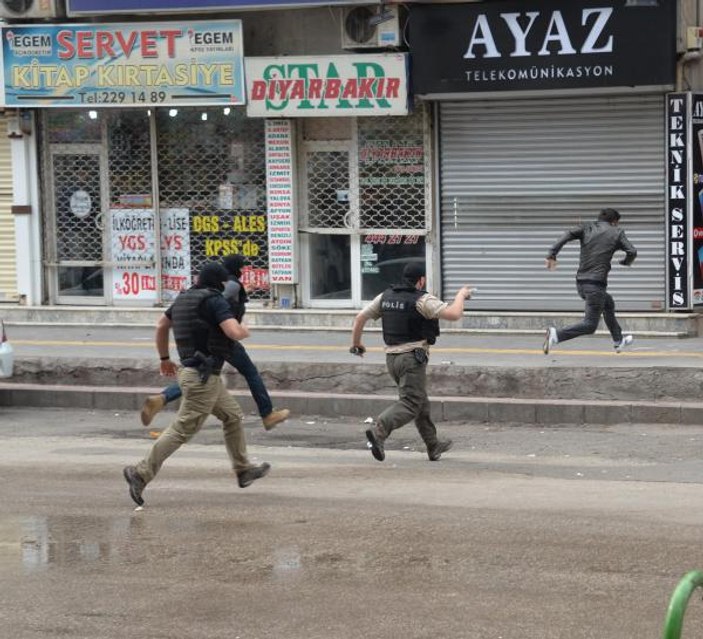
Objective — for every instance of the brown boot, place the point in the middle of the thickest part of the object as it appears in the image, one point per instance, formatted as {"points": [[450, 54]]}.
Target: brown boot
{"points": [[275, 417], [152, 405]]}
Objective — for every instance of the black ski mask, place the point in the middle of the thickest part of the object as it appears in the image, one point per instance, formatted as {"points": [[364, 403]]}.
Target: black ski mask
{"points": [[213, 275]]}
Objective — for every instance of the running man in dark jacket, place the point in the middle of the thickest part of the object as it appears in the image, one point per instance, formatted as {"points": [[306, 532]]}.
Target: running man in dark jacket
{"points": [[599, 241]]}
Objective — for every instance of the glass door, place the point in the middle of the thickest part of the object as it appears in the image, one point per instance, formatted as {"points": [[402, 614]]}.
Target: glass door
{"points": [[330, 232], [77, 201]]}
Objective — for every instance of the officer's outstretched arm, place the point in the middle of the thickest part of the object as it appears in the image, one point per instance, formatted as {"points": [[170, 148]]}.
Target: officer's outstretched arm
{"points": [[234, 330], [455, 310]]}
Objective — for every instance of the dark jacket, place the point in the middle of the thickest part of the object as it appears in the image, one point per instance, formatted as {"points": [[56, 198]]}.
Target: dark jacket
{"points": [[237, 297], [599, 241]]}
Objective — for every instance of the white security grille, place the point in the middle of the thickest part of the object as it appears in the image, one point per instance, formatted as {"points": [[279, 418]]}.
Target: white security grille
{"points": [[516, 173], [211, 161], [8, 268], [79, 230], [328, 187], [129, 157], [392, 172]]}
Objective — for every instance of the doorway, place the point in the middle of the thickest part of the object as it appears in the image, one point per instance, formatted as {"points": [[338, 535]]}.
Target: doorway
{"points": [[78, 201]]}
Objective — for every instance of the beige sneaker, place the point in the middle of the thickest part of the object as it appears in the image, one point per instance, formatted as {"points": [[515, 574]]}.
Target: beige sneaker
{"points": [[152, 405], [275, 417]]}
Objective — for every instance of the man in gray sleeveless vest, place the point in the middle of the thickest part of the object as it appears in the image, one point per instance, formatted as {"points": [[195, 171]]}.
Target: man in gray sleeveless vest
{"points": [[203, 327], [410, 318]]}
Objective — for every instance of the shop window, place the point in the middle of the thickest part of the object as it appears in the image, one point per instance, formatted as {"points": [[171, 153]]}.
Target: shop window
{"points": [[211, 162], [383, 258], [129, 158], [327, 129], [392, 171], [71, 126]]}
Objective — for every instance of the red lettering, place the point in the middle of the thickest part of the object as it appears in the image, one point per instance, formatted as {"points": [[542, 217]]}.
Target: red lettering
{"points": [[84, 40], [103, 44], [350, 89], [392, 87], [149, 49], [66, 48], [128, 44], [315, 88], [332, 88], [366, 88], [258, 90], [298, 91], [283, 86], [171, 35]]}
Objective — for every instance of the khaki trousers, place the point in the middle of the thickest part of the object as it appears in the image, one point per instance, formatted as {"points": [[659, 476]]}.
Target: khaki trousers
{"points": [[198, 402], [413, 403]]}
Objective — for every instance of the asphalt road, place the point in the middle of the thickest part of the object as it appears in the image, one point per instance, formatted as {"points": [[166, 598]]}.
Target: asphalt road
{"points": [[516, 533], [332, 346]]}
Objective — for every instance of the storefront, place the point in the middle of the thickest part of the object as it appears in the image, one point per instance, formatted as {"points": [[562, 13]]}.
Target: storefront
{"points": [[360, 197], [152, 163], [546, 114]]}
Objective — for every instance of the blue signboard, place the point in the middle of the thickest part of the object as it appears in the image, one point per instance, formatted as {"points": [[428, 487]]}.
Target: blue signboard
{"points": [[105, 7], [114, 64]]}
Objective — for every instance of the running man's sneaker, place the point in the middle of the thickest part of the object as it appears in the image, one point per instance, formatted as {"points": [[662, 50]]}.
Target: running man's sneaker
{"points": [[550, 339], [136, 484], [275, 417], [376, 445], [250, 475], [623, 343], [442, 446]]}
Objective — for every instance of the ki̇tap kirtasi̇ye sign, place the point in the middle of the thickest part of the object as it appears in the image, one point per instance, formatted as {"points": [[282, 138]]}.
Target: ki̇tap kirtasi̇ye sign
{"points": [[165, 63]]}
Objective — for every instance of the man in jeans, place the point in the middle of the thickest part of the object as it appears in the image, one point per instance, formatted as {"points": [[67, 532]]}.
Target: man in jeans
{"points": [[237, 357], [410, 320], [202, 325], [599, 241]]}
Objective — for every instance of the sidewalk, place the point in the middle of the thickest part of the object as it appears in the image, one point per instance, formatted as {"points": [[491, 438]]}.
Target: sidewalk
{"points": [[488, 378]]}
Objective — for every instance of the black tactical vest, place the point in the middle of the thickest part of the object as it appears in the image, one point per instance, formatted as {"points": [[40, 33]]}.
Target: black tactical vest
{"points": [[400, 319], [190, 330]]}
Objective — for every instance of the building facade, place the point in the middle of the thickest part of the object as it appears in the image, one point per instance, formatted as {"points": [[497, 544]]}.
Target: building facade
{"points": [[333, 145], [318, 170]]}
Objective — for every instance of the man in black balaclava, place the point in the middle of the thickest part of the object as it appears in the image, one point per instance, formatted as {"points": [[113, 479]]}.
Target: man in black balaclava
{"points": [[235, 354], [409, 316], [202, 325]]}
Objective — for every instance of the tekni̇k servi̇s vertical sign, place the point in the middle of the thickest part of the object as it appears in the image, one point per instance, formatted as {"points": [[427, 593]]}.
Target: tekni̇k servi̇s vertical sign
{"points": [[678, 202], [110, 65]]}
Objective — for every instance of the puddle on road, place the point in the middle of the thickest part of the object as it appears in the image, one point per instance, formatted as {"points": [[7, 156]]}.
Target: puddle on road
{"points": [[36, 544]]}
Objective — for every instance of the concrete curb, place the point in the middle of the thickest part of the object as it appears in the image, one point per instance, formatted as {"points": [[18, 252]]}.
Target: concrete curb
{"points": [[544, 412], [370, 379], [472, 321]]}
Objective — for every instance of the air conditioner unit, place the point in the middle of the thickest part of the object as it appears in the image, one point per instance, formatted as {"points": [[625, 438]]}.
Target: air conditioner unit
{"points": [[372, 27], [31, 9]]}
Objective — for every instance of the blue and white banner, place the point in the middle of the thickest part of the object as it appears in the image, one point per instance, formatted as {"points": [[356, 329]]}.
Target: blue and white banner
{"points": [[69, 65]]}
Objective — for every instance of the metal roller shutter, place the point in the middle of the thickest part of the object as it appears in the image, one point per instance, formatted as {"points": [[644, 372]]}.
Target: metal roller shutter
{"points": [[516, 173], [8, 267]]}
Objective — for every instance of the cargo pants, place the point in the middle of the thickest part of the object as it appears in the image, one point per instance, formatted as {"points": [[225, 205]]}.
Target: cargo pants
{"points": [[199, 401]]}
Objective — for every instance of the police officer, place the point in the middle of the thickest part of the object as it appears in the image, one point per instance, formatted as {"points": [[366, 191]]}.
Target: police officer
{"points": [[234, 353], [410, 319], [203, 327]]}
